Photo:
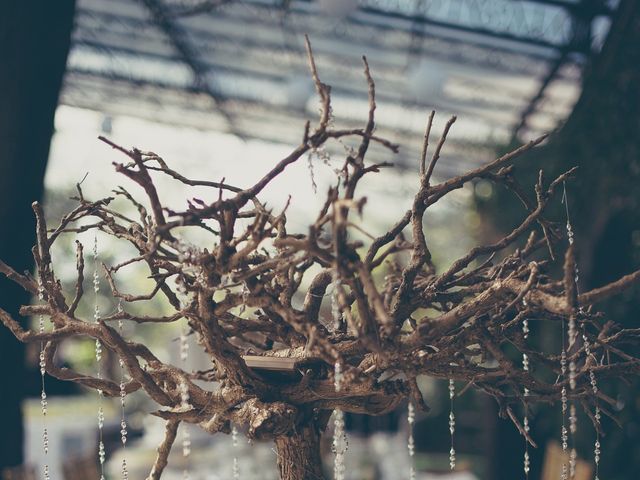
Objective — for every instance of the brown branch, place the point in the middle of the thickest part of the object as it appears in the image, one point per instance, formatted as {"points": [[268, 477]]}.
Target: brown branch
{"points": [[436, 155], [164, 449], [599, 294], [79, 281], [425, 144]]}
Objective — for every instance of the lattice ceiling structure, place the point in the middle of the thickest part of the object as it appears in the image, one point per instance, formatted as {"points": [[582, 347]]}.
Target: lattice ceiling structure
{"points": [[506, 68]]}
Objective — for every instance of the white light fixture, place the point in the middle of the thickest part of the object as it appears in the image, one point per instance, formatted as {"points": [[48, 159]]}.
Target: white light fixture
{"points": [[298, 90], [426, 81]]}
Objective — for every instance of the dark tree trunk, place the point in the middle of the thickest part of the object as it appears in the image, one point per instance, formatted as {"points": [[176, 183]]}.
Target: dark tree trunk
{"points": [[601, 137], [299, 454], [34, 42]]}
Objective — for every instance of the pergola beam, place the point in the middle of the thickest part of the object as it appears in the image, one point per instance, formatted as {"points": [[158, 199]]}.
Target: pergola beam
{"points": [[339, 87], [120, 87], [160, 16], [539, 95], [211, 35], [582, 13]]}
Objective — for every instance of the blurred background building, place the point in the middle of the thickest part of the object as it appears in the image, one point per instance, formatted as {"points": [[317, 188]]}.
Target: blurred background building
{"points": [[220, 88]]}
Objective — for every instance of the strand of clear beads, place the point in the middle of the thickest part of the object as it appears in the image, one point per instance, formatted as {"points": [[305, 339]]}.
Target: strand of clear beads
{"points": [[452, 424], [184, 397], [186, 437], [525, 321], [573, 420], [525, 367], [339, 446], [525, 426], [340, 443], [564, 435], [411, 419], [527, 462], [98, 351], [525, 422], [123, 422], [184, 346], [234, 440], [43, 394], [335, 304], [597, 416], [183, 296]]}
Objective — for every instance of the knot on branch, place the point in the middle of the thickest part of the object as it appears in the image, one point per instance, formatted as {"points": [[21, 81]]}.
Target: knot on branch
{"points": [[267, 420]]}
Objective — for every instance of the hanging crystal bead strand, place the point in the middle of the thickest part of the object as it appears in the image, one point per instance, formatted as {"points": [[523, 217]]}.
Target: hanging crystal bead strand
{"points": [[123, 422], [340, 444], [525, 422], [411, 419], [452, 424], [573, 420], [43, 394], [183, 296], [234, 440], [596, 416], [186, 438], [98, 351], [184, 396], [563, 431], [335, 304]]}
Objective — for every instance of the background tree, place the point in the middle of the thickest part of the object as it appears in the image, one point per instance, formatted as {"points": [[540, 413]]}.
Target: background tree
{"points": [[601, 137], [34, 42]]}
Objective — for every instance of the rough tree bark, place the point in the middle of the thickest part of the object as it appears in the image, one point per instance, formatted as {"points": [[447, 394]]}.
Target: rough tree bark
{"points": [[34, 42], [299, 454]]}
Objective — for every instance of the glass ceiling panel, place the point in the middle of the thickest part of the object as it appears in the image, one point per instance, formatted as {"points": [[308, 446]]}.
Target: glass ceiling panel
{"points": [[497, 64]]}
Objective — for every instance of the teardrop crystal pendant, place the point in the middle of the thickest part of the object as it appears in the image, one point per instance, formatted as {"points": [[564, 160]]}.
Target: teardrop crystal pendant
{"points": [[452, 424], [98, 352], [411, 418]]}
